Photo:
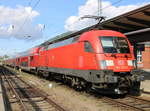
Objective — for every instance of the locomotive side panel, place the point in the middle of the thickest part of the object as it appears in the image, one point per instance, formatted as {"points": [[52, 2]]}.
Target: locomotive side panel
{"points": [[71, 56]]}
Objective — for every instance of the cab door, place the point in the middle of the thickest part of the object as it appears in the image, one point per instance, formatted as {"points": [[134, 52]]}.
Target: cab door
{"points": [[89, 56]]}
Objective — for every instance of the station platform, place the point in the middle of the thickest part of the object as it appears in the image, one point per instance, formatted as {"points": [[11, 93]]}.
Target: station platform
{"points": [[147, 70], [2, 107]]}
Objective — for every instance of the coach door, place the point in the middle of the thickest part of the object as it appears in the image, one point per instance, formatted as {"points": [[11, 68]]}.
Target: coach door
{"points": [[41, 62], [31, 61]]}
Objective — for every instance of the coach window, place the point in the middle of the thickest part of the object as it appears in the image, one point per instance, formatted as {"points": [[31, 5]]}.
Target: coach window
{"points": [[88, 47]]}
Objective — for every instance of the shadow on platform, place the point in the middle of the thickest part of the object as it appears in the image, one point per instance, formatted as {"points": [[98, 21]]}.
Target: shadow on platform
{"points": [[146, 74]]}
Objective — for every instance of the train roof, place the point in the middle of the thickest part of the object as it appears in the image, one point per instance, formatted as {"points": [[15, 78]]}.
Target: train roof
{"points": [[26, 53], [66, 35], [58, 38], [29, 52]]}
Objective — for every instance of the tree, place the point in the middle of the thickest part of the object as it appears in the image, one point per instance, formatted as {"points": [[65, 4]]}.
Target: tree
{"points": [[4, 57]]}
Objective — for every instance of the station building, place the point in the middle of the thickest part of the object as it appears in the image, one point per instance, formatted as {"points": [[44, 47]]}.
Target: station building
{"points": [[143, 57]]}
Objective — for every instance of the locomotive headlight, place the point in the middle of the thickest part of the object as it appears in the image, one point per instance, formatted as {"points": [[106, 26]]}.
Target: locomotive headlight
{"points": [[105, 63], [109, 62], [130, 63]]}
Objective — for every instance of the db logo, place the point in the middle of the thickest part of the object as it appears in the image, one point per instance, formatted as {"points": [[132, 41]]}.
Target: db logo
{"points": [[121, 62]]}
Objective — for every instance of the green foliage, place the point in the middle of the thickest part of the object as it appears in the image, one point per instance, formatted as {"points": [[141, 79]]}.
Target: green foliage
{"points": [[4, 57]]}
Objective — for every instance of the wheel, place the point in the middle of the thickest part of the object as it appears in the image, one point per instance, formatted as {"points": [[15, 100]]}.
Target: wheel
{"points": [[135, 89]]}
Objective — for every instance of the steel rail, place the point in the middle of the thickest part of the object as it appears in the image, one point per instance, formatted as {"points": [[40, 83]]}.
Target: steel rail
{"points": [[141, 99], [125, 104], [117, 102], [23, 107], [41, 93]]}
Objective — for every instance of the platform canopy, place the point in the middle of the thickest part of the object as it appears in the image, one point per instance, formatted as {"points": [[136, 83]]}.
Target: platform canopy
{"points": [[135, 23], [134, 20]]}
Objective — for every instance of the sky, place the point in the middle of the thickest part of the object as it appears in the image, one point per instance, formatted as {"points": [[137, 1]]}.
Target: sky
{"points": [[27, 23]]}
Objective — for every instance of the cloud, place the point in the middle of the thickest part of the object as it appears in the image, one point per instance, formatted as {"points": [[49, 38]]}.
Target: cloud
{"points": [[18, 23], [89, 8]]}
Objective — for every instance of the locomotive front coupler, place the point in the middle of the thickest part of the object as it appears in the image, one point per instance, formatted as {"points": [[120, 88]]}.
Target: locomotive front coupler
{"points": [[109, 76]]}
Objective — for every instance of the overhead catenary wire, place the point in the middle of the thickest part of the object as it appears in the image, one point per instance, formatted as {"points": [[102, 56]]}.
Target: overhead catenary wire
{"points": [[114, 3], [100, 9], [29, 4], [38, 1], [36, 4]]}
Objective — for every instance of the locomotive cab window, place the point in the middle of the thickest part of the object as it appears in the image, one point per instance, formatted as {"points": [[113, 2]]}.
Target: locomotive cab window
{"points": [[87, 47], [114, 45]]}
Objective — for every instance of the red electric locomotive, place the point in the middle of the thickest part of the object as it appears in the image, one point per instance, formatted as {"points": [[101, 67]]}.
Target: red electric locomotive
{"points": [[102, 60]]}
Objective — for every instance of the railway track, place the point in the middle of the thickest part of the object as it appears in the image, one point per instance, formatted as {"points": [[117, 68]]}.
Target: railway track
{"points": [[146, 92], [26, 96], [34, 99], [130, 103]]}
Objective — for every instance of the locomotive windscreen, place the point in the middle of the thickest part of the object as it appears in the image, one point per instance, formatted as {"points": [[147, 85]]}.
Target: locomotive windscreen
{"points": [[115, 45]]}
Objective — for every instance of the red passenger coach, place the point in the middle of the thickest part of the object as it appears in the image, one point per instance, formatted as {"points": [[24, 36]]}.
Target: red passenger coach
{"points": [[27, 60], [34, 58], [102, 60]]}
